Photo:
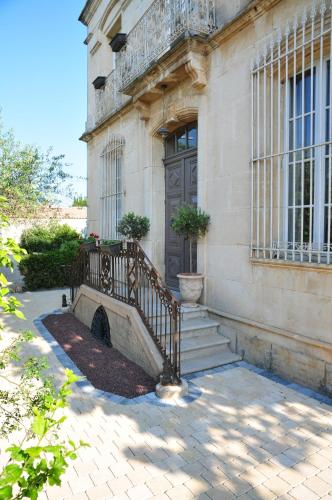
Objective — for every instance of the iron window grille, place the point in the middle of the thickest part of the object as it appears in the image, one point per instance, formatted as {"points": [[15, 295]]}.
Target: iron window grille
{"points": [[111, 188], [291, 163]]}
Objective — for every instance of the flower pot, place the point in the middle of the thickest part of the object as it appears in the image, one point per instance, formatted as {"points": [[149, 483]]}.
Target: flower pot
{"points": [[89, 245], [191, 286]]}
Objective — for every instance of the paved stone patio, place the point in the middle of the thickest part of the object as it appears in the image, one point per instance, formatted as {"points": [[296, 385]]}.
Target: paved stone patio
{"points": [[239, 434]]}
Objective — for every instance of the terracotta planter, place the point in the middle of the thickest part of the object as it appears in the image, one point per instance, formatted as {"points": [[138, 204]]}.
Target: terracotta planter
{"points": [[191, 286]]}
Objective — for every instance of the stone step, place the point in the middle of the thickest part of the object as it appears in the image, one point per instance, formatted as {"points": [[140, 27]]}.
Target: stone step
{"points": [[207, 345], [207, 362], [194, 312], [193, 327], [199, 327]]}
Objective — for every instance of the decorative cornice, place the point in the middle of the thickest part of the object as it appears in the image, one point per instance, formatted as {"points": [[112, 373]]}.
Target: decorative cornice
{"points": [[88, 11], [254, 10]]}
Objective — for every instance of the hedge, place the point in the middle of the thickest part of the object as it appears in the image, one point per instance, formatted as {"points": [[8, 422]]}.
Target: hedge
{"points": [[49, 269], [43, 238]]}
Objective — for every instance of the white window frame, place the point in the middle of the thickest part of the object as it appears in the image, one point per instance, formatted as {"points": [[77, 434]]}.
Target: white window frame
{"points": [[111, 188]]}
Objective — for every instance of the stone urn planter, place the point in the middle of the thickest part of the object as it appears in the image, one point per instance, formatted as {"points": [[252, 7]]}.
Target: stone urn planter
{"points": [[192, 223], [191, 286]]}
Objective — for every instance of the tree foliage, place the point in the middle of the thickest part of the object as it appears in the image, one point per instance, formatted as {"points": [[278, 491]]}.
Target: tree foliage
{"points": [[29, 178], [190, 222], [30, 405], [134, 226], [80, 201]]}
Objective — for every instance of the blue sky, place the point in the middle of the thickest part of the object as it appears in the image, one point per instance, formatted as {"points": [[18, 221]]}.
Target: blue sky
{"points": [[43, 76]]}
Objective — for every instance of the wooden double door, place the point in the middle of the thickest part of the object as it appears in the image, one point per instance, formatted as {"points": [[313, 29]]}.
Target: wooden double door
{"points": [[181, 188]]}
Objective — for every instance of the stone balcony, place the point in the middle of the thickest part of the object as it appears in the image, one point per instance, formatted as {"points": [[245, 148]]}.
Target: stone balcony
{"points": [[170, 30], [163, 25]]}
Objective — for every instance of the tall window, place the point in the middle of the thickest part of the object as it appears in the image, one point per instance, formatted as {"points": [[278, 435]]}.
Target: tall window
{"points": [[111, 188], [291, 144]]}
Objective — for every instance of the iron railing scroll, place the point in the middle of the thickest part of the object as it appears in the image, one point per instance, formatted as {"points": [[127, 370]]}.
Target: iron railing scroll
{"points": [[124, 272]]}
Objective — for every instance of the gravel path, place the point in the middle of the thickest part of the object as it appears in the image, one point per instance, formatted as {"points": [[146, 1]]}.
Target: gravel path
{"points": [[105, 367]]}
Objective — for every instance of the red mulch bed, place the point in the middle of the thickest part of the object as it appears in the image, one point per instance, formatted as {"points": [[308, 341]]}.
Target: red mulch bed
{"points": [[105, 367]]}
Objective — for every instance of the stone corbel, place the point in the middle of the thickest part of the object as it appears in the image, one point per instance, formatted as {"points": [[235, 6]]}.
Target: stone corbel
{"points": [[144, 109], [195, 69]]}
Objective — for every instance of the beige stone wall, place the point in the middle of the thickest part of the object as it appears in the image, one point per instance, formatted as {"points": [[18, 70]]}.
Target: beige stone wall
{"points": [[128, 334], [293, 300]]}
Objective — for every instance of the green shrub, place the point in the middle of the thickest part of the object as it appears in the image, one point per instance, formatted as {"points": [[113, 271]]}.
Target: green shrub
{"points": [[49, 269], [134, 226], [43, 238]]}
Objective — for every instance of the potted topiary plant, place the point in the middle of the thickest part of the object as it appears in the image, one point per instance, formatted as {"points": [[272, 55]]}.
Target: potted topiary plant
{"points": [[192, 223], [133, 226]]}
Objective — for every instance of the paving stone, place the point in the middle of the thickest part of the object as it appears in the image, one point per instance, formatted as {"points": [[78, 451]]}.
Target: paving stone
{"points": [[319, 461], [326, 475], [292, 477], [238, 486], [253, 477], [101, 477], [220, 493], [215, 476], [141, 492], [261, 492], [197, 485], [158, 485], [303, 493], [58, 492], [177, 477], [277, 485], [318, 486], [81, 484], [119, 485], [179, 493], [99, 492]]}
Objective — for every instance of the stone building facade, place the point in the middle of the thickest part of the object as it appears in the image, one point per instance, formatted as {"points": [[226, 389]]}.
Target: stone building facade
{"points": [[242, 91]]}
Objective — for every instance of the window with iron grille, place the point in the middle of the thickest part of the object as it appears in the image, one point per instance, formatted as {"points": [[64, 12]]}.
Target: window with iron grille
{"points": [[291, 143], [111, 188]]}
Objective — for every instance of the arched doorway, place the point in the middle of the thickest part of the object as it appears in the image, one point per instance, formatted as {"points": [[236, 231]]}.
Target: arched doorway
{"points": [[180, 188]]}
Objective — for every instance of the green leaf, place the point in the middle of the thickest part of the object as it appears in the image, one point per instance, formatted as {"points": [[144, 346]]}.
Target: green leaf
{"points": [[6, 492], [19, 314], [39, 425], [10, 474]]}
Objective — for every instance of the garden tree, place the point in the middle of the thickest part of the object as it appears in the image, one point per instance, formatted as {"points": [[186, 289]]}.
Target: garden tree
{"points": [[134, 226], [80, 201], [29, 178], [192, 223], [30, 405]]}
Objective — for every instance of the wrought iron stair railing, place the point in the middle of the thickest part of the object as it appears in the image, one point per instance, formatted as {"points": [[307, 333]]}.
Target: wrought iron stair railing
{"points": [[125, 273]]}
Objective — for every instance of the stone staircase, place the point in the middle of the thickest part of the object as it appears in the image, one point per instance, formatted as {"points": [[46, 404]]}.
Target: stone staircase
{"points": [[202, 345]]}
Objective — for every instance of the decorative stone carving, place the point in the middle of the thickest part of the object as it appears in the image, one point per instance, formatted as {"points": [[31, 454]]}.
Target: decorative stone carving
{"points": [[143, 108], [195, 68]]}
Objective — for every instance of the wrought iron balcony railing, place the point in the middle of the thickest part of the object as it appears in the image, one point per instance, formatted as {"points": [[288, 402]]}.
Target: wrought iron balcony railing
{"points": [[160, 28], [109, 98], [162, 25]]}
